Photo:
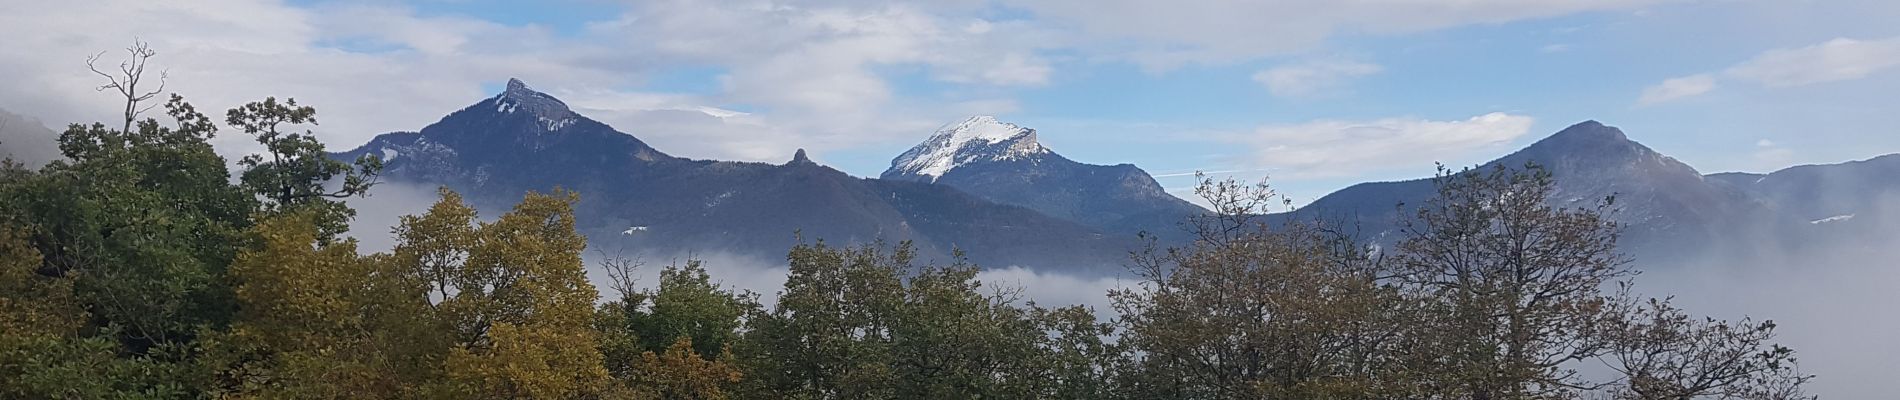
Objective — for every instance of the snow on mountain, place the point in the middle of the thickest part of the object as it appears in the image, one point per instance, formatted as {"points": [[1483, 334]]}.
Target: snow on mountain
{"points": [[635, 196], [975, 139], [1836, 218], [1004, 163], [551, 113]]}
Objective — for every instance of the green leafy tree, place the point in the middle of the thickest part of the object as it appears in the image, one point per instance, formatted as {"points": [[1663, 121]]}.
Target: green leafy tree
{"points": [[687, 304], [43, 352], [951, 339], [863, 323], [641, 332], [294, 171], [1077, 358], [141, 219], [144, 221], [829, 337]]}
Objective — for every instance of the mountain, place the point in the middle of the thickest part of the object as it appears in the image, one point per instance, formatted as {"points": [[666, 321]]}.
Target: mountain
{"points": [[1665, 205], [991, 189], [1818, 192], [1003, 162], [636, 197], [26, 140], [1850, 202]]}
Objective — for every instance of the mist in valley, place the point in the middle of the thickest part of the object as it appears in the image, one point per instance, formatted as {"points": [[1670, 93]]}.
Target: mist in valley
{"points": [[1832, 301], [379, 213]]}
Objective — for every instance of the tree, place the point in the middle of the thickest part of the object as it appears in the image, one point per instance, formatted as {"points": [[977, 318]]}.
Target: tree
{"points": [[1077, 358], [43, 352], [680, 372], [1663, 353], [518, 307], [32, 304], [863, 323], [829, 336], [687, 304], [648, 336], [1249, 311], [1517, 280], [126, 81], [144, 221], [321, 321], [951, 340], [297, 170]]}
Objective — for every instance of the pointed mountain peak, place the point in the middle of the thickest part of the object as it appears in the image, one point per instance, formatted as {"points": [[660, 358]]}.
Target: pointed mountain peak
{"points": [[975, 139], [800, 158], [1589, 131], [519, 91], [551, 112], [1593, 149], [1586, 140]]}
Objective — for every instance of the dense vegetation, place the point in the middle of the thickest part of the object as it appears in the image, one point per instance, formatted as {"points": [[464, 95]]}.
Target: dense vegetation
{"points": [[137, 268]]}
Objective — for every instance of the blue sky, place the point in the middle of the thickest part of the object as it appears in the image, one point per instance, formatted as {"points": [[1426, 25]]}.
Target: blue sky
{"points": [[1314, 94]]}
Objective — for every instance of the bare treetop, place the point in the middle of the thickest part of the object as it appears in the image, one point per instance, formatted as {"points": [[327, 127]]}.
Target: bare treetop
{"points": [[127, 79]]}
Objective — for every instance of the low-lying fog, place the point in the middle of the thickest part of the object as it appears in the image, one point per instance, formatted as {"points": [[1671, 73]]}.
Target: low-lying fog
{"points": [[1835, 307]]}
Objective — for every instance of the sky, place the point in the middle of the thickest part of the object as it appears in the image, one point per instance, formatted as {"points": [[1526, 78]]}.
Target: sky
{"points": [[1312, 95]]}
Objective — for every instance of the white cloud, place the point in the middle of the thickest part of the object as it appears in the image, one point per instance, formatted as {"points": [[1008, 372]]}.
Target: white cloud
{"points": [[222, 53], [1836, 60], [1312, 77], [1332, 148], [1676, 88], [812, 73], [1057, 289], [1163, 35]]}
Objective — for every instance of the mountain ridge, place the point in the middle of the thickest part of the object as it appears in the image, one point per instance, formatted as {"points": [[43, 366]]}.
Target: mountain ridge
{"points": [[500, 147], [990, 188], [1003, 162]]}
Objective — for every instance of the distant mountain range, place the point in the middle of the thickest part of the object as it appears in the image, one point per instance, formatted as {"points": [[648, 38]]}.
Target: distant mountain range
{"points": [[990, 189], [1670, 211], [522, 140]]}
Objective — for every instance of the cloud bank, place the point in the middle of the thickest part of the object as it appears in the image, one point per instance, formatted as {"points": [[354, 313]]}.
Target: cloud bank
{"points": [[1334, 148], [1840, 59]]}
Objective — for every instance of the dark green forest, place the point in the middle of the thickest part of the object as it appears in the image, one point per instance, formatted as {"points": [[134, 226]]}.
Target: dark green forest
{"points": [[145, 266]]}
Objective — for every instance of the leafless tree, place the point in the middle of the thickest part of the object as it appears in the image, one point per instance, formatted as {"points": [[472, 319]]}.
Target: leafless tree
{"points": [[620, 271], [127, 80]]}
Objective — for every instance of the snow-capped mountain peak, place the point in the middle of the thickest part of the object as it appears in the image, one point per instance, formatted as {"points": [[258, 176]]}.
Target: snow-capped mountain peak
{"points": [[985, 128], [975, 139], [550, 112]]}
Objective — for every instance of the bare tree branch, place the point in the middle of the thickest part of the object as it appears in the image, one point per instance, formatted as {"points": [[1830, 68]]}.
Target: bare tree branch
{"points": [[126, 81]]}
